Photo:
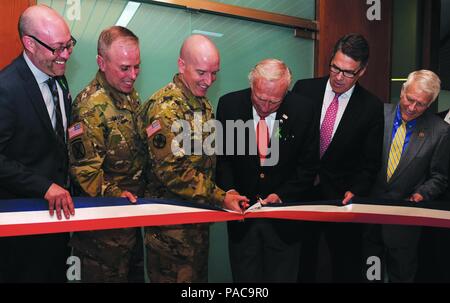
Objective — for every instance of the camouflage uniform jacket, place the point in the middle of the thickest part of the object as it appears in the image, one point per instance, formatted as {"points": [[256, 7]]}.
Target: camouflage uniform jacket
{"points": [[178, 174], [106, 152]]}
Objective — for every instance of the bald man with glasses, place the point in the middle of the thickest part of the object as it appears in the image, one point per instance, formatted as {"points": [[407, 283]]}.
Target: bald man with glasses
{"points": [[58, 50], [351, 137], [34, 113]]}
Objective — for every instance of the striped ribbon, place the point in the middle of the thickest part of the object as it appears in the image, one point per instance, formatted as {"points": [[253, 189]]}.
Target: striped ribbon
{"points": [[27, 217]]}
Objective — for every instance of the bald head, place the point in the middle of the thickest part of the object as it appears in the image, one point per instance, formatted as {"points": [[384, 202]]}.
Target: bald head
{"points": [[198, 64], [197, 45], [40, 19], [42, 30]]}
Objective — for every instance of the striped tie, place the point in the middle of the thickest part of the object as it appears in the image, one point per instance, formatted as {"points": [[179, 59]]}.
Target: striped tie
{"points": [[396, 150], [59, 127]]}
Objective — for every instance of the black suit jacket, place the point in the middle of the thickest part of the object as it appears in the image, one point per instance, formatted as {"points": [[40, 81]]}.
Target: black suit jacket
{"points": [[298, 158], [30, 158], [446, 195], [353, 158], [442, 114]]}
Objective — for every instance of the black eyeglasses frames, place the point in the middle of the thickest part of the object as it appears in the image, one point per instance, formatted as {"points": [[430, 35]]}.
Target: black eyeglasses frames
{"points": [[57, 51], [347, 73]]}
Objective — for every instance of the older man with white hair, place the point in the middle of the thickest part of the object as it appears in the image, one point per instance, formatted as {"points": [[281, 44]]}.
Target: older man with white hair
{"points": [[416, 145], [285, 138]]}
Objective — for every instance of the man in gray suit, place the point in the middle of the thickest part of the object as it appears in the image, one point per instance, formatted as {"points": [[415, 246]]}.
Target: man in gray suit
{"points": [[416, 144]]}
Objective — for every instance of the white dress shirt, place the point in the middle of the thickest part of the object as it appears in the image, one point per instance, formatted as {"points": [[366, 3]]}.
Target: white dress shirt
{"points": [[343, 102], [270, 120], [41, 77], [447, 117]]}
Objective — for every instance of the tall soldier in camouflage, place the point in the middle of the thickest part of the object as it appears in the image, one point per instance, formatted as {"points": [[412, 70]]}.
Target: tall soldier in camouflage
{"points": [[179, 253], [107, 157]]}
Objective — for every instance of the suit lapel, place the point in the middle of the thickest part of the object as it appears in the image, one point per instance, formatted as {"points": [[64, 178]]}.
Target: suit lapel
{"points": [[67, 97], [319, 94], [247, 115], [283, 120], [390, 112], [35, 96], [348, 119], [416, 142]]}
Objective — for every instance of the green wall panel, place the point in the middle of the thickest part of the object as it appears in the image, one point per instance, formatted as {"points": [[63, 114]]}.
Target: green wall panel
{"points": [[245, 43]]}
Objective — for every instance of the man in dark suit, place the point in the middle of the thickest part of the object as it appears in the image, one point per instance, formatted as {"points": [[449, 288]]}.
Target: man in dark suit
{"points": [[34, 114], [416, 145], [282, 169], [434, 245], [351, 134]]}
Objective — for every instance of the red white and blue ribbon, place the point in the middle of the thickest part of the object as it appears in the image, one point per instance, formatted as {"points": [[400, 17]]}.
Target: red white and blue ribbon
{"points": [[27, 217]]}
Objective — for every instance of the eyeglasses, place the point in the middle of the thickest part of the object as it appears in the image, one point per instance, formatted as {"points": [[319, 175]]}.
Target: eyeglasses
{"points": [[347, 73], [57, 51]]}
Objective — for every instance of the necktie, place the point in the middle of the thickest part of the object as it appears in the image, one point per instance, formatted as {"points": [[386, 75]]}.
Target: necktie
{"points": [[326, 129], [59, 127], [396, 150], [262, 138]]}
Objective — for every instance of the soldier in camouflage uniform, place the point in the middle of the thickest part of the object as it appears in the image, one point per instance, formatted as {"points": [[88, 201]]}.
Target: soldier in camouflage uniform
{"points": [[179, 253], [107, 157]]}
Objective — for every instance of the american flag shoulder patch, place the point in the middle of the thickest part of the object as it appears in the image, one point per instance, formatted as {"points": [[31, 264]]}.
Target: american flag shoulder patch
{"points": [[154, 127], [75, 130]]}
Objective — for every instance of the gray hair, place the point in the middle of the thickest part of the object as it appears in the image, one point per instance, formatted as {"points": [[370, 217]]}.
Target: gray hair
{"points": [[426, 80], [271, 70]]}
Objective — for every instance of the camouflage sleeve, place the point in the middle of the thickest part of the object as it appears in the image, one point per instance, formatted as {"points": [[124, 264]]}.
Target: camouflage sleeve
{"points": [[170, 165], [87, 151]]}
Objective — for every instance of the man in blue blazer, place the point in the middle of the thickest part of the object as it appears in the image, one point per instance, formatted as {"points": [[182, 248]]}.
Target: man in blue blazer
{"points": [[34, 113], [351, 134], [280, 126], [414, 169]]}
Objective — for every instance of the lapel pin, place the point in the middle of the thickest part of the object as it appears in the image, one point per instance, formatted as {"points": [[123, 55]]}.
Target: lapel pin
{"points": [[421, 134], [285, 116]]}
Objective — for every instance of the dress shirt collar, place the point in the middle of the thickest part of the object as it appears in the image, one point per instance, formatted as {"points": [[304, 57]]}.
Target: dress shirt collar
{"points": [[398, 119], [39, 75], [345, 95]]}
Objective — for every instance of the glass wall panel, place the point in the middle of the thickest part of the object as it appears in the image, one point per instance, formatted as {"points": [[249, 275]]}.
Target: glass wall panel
{"points": [[296, 8]]}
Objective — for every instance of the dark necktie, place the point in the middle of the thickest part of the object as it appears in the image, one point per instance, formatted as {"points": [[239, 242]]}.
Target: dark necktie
{"points": [[59, 127]]}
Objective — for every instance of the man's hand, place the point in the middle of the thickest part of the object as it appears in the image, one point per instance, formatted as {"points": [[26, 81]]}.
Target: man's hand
{"points": [[58, 197], [271, 199], [347, 197], [416, 198], [126, 194], [234, 201]]}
